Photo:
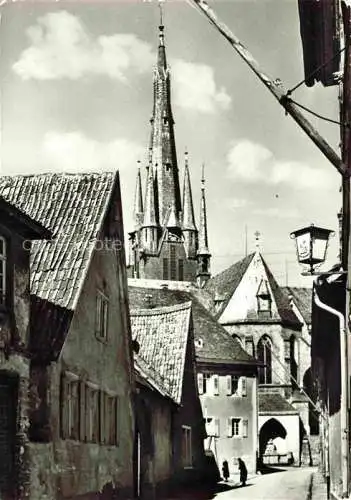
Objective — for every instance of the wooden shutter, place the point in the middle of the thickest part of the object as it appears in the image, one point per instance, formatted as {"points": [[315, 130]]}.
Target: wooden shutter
{"points": [[200, 383], [215, 385], [229, 385], [216, 429], [229, 427], [245, 426], [103, 418], [64, 406], [82, 412], [243, 388]]}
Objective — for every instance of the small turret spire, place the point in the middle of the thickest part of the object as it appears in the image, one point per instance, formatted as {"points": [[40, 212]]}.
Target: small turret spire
{"points": [[138, 199], [203, 253], [149, 212], [203, 238], [188, 207]]}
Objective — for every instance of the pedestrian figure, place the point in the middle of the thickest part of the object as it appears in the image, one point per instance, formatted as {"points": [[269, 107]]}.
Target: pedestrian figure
{"points": [[225, 470], [243, 472]]}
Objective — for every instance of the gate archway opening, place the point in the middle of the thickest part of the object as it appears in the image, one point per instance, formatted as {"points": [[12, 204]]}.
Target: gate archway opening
{"points": [[270, 430]]}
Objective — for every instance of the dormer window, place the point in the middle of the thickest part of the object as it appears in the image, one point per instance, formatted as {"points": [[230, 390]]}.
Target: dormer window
{"points": [[264, 300], [3, 271]]}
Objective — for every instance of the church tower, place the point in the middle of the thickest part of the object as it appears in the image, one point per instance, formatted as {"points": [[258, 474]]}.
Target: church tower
{"points": [[164, 243]]}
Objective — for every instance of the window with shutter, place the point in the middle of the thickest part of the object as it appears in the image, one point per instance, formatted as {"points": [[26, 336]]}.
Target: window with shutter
{"points": [[229, 385], [104, 416], [64, 406], [82, 418], [245, 426], [217, 434], [243, 388], [200, 383], [235, 426], [229, 427], [215, 385]]}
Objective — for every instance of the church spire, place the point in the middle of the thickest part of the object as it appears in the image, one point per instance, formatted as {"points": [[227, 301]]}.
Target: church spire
{"points": [[188, 207], [138, 200], [163, 155], [203, 238], [203, 253]]}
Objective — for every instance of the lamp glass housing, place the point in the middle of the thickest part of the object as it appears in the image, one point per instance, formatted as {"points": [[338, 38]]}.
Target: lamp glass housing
{"points": [[311, 245]]}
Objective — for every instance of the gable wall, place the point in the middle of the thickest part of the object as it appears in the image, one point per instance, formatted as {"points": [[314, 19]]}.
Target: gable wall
{"points": [[77, 467], [243, 303]]}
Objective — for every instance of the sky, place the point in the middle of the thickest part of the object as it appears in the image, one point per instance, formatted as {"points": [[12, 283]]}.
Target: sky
{"points": [[76, 95]]}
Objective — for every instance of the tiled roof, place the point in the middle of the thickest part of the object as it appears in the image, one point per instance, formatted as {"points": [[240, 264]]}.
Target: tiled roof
{"points": [[269, 402], [303, 300], [73, 207], [226, 282], [29, 228], [162, 334], [147, 375], [217, 345], [285, 311]]}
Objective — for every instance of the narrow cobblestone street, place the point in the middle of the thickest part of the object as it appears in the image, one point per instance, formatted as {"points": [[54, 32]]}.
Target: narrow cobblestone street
{"points": [[284, 484]]}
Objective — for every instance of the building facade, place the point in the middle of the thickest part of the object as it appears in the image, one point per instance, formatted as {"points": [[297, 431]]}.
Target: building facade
{"points": [[231, 419], [17, 230], [166, 243], [81, 416], [170, 429], [249, 303]]}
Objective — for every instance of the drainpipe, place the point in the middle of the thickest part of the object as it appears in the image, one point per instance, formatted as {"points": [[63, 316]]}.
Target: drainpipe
{"points": [[344, 394]]}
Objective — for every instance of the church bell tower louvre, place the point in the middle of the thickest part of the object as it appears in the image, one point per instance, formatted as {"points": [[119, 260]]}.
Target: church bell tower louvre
{"points": [[164, 242]]}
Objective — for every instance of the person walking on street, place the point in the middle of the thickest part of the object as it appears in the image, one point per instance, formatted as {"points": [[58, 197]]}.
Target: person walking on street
{"points": [[225, 470], [243, 471]]}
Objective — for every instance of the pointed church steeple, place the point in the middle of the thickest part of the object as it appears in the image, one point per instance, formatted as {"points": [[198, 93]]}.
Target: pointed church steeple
{"points": [[203, 253], [162, 142], [138, 201]]}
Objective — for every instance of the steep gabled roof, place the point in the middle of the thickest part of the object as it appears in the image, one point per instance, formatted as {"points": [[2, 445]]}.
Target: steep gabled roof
{"points": [[147, 375], [217, 345], [226, 282], [303, 300], [285, 311], [269, 402], [73, 207], [162, 334]]}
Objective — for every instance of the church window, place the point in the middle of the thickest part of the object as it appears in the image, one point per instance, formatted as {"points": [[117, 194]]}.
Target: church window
{"points": [[165, 269], [173, 263], [264, 356], [181, 269]]}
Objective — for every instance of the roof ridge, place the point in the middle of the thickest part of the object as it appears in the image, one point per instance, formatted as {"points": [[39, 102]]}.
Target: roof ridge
{"points": [[158, 311]]}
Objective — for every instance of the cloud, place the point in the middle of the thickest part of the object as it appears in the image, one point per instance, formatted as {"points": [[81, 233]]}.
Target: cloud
{"points": [[195, 88], [74, 152], [280, 213], [253, 163], [62, 47], [235, 203]]}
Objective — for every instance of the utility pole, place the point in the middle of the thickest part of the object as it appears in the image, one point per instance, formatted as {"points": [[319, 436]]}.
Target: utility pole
{"points": [[346, 243], [274, 85]]}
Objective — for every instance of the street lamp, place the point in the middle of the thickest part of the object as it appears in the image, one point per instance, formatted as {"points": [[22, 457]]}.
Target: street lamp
{"points": [[311, 246]]}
